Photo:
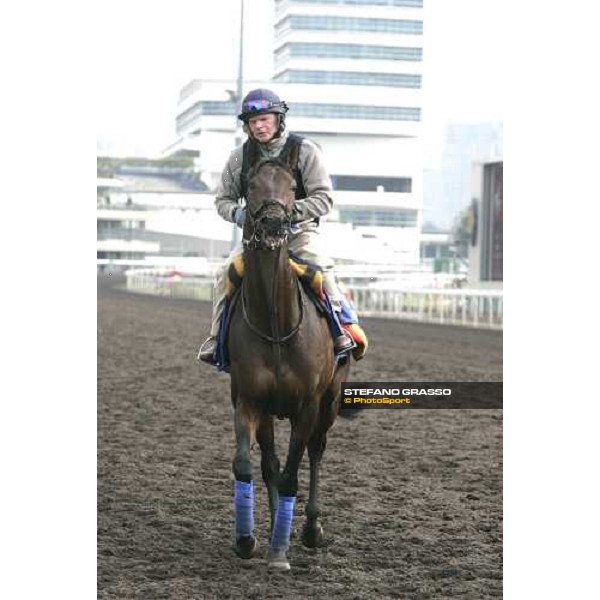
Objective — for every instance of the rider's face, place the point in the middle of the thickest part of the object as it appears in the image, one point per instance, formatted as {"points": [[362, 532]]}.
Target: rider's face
{"points": [[263, 127]]}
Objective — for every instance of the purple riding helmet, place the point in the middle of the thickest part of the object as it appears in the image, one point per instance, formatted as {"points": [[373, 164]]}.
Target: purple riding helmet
{"points": [[260, 102]]}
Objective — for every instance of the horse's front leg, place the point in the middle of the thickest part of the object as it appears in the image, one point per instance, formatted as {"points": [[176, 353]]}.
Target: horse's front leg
{"points": [[269, 462], [288, 488], [245, 428], [312, 532]]}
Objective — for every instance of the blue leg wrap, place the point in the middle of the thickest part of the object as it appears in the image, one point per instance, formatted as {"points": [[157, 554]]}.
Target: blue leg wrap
{"points": [[280, 539], [244, 508]]}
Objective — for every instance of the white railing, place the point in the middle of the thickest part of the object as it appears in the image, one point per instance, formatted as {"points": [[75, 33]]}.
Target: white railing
{"points": [[160, 265], [164, 282], [480, 308], [468, 307]]}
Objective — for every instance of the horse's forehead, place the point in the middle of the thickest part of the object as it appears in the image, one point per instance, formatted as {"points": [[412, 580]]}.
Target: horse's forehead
{"points": [[272, 172]]}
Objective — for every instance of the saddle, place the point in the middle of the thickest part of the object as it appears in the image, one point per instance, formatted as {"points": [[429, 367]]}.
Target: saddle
{"points": [[311, 278]]}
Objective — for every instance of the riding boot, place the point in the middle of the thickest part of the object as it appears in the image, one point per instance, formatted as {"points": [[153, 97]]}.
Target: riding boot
{"points": [[208, 350], [342, 342], [349, 321]]}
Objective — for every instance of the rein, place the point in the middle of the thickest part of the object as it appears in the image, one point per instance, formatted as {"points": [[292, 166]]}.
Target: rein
{"points": [[271, 233], [274, 339]]}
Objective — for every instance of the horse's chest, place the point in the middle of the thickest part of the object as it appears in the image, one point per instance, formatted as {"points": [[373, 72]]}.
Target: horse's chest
{"points": [[289, 382]]}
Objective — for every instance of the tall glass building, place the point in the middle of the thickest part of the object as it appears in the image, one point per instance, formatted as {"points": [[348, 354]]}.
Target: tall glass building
{"points": [[351, 73]]}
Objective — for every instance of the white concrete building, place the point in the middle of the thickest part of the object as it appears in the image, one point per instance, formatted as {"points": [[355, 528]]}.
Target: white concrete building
{"points": [[350, 71], [143, 220]]}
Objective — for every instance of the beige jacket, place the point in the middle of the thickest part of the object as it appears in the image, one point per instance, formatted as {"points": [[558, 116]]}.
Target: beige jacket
{"points": [[318, 201]]}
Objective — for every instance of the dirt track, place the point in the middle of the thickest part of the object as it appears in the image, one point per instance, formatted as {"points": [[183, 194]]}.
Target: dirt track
{"points": [[411, 500]]}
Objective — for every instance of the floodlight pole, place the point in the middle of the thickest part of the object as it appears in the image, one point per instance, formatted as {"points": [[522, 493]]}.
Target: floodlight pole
{"points": [[237, 232]]}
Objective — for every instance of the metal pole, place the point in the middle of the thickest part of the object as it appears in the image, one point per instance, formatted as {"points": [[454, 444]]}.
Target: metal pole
{"points": [[237, 232], [240, 79]]}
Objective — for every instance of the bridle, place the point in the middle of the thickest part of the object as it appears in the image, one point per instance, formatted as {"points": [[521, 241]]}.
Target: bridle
{"points": [[271, 233]]}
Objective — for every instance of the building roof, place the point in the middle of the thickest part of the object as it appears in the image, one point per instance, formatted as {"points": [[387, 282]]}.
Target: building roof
{"points": [[108, 182]]}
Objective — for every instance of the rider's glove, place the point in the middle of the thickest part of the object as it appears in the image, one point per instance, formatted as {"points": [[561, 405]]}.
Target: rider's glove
{"points": [[239, 216]]}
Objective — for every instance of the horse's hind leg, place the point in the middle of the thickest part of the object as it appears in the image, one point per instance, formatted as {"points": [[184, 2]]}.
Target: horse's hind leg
{"points": [[269, 463], [245, 427], [312, 532]]}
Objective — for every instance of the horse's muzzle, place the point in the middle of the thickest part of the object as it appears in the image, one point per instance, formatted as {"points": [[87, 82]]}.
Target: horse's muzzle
{"points": [[271, 230]]}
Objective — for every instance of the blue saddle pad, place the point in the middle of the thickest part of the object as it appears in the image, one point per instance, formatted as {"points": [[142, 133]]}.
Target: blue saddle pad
{"points": [[222, 349]]}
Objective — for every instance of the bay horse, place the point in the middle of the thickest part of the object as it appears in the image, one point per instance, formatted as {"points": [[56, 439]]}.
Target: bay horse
{"points": [[282, 364]]}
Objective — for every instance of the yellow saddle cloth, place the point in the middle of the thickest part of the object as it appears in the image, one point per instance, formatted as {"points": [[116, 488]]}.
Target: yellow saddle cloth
{"points": [[308, 275]]}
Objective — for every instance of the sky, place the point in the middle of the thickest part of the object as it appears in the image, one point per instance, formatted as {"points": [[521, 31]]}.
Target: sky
{"points": [[149, 50]]}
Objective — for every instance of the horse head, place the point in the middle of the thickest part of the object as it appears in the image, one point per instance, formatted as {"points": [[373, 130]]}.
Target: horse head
{"points": [[270, 205]]}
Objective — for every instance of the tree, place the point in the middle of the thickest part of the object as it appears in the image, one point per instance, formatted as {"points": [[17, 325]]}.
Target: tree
{"points": [[464, 231]]}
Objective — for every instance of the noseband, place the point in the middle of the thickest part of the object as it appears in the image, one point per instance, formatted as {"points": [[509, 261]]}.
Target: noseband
{"points": [[270, 232]]}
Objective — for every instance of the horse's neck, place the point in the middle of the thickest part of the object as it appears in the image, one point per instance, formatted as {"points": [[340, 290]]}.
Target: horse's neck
{"points": [[264, 269]]}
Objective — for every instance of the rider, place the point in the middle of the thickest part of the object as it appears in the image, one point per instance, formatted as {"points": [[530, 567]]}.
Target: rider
{"points": [[263, 115]]}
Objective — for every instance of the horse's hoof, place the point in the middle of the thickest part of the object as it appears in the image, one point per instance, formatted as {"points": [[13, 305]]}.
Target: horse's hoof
{"points": [[312, 537], [277, 561], [245, 547]]}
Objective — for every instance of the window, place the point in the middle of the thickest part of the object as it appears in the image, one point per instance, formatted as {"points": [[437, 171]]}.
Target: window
{"points": [[319, 111], [409, 3], [378, 218], [430, 251], [204, 108], [349, 78], [355, 111], [356, 51], [357, 183], [331, 23]]}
